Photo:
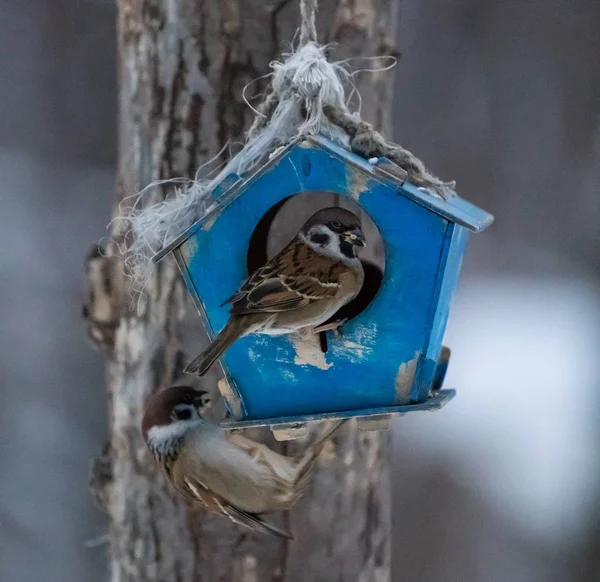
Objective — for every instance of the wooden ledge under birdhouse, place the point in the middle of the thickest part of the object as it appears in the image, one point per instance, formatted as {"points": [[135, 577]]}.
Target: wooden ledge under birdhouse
{"points": [[374, 419], [389, 359]]}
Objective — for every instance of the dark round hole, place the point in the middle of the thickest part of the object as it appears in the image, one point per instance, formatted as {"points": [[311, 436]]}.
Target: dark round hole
{"points": [[283, 221]]}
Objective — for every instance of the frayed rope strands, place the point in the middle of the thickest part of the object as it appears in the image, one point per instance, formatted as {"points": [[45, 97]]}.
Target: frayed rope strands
{"points": [[306, 97]]}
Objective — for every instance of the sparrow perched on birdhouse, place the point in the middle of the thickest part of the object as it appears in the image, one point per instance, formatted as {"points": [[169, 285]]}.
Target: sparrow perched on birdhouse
{"points": [[303, 286], [226, 473]]}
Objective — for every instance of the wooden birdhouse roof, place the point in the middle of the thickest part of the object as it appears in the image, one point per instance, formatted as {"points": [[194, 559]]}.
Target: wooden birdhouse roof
{"points": [[454, 208]]}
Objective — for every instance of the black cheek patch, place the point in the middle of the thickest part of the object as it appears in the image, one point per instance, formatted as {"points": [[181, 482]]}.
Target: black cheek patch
{"points": [[347, 249], [184, 414], [319, 238]]}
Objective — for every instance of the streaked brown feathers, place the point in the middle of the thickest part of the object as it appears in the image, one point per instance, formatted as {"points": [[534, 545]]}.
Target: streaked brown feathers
{"points": [[296, 277]]}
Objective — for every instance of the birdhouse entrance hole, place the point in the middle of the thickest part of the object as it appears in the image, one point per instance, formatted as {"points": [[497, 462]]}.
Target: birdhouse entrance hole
{"points": [[283, 220]]}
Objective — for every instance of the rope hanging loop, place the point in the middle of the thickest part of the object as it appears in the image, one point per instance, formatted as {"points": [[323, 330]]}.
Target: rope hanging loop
{"points": [[308, 27]]}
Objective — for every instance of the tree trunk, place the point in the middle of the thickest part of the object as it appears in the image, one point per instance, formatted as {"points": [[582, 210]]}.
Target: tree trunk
{"points": [[183, 65]]}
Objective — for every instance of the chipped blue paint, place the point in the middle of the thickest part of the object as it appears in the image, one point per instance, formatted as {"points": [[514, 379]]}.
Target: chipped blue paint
{"points": [[450, 263], [423, 245]]}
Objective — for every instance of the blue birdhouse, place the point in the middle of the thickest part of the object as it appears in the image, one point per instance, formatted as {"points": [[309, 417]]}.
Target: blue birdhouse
{"points": [[385, 360]]}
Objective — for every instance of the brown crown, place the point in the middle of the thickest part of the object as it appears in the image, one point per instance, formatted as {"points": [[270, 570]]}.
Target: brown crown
{"points": [[348, 219], [161, 404]]}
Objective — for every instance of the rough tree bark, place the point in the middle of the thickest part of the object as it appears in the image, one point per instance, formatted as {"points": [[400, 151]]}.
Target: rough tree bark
{"points": [[183, 64]]}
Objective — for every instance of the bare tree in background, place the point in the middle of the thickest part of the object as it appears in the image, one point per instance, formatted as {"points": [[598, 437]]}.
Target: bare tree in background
{"points": [[183, 65]]}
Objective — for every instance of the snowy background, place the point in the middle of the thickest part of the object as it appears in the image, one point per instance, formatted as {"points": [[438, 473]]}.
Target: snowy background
{"points": [[503, 485]]}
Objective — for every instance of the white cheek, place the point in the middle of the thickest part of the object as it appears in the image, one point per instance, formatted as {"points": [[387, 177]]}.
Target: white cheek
{"points": [[334, 244], [168, 432], [174, 431]]}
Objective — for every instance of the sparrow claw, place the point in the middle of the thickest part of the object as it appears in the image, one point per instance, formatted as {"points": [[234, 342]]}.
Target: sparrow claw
{"points": [[334, 326]]}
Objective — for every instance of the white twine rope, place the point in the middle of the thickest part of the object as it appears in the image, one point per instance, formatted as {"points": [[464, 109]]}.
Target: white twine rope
{"points": [[308, 28], [306, 97]]}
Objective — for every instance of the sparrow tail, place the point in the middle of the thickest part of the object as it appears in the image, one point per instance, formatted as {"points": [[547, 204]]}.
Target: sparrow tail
{"points": [[232, 331], [256, 523]]}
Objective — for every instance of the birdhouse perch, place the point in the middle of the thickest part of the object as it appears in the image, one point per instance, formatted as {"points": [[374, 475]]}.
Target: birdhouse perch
{"points": [[387, 361]]}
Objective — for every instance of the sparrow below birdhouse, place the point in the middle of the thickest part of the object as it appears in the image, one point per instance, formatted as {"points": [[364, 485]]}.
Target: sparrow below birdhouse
{"points": [[224, 472], [303, 286]]}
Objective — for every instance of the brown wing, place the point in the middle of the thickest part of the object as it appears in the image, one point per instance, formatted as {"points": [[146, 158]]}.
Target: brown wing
{"points": [[294, 278], [283, 469], [196, 491]]}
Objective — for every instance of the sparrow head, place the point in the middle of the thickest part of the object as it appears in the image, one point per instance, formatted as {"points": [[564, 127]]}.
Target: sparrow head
{"points": [[170, 413], [336, 230]]}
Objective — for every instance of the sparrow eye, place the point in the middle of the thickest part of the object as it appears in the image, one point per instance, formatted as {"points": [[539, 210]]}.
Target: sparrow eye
{"points": [[336, 224]]}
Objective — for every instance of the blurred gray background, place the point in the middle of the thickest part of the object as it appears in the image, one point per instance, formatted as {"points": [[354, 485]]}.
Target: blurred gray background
{"points": [[501, 95]]}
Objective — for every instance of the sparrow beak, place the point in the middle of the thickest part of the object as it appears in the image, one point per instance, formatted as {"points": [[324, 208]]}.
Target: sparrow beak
{"points": [[202, 400], [355, 237]]}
